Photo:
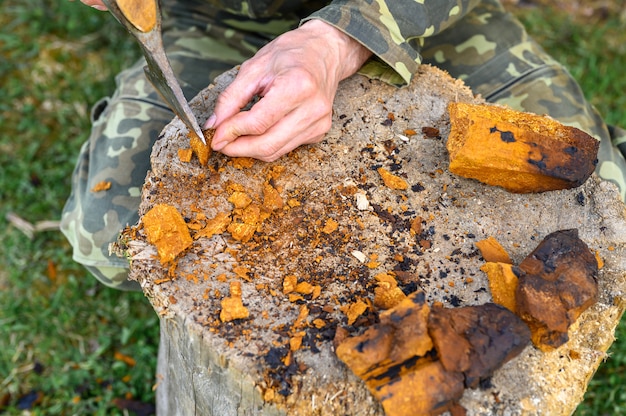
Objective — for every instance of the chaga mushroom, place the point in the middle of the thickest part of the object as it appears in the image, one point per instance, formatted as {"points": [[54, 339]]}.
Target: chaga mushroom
{"points": [[476, 340], [396, 360], [425, 389], [392, 181], [521, 152], [559, 281], [232, 306], [401, 335], [492, 251], [200, 149], [166, 229], [503, 283]]}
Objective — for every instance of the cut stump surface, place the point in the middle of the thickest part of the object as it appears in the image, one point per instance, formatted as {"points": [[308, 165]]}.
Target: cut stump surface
{"points": [[306, 236]]}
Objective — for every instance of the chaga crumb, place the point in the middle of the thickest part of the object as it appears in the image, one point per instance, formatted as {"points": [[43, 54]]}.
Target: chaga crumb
{"points": [[216, 225], [387, 294], [271, 198], [430, 132], [331, 225], [392, 181], [289, 283], [208, 137], [184, 155], [241, 231], [232, 307], [354, 310], [242, 162], [240, 199], [101, 186]]}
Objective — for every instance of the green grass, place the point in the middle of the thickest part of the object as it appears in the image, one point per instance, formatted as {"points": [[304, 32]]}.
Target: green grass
{"points": [[75, 347], [67, 344]]}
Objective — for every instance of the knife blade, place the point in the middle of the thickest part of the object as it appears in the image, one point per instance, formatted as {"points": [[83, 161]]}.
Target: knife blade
{"points": [[142, 18]]}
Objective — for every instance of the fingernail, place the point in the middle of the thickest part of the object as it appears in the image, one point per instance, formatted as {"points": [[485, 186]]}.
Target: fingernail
{"points": [[210, 123], [99, 7]]}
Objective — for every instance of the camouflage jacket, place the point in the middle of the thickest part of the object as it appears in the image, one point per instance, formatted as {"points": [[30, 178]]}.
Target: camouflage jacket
{"points": [[394, 30]]}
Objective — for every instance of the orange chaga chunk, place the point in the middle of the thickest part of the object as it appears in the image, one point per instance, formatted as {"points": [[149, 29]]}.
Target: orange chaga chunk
{"points": [[354, 310], [240, 199], [215, 226], [271, 198], [387, 294], [101, 186], [392, 181], [232, 307], [418, 360], [167, 230], [502, 283], [184, 155], [559, 281], [289, 283], [241, 231], [492, 251], [521, 152], [426, 389], [201, 150], [242, 162], [401, 335]]}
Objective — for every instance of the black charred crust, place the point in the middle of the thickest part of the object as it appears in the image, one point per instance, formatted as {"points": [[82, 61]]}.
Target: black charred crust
{"points": [[554, 246], [418, 187], [540, 164], [505, 136], [393, 373], [419, 298]]}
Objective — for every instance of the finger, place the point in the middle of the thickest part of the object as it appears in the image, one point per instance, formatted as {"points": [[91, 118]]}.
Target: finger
{"points": [[263, 152], [284, 95], [282, 138], [257, 121], [96, 4], [235, 97]]}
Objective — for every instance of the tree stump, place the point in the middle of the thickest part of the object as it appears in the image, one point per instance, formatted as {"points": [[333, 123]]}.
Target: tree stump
{"points": [[324, 224]]}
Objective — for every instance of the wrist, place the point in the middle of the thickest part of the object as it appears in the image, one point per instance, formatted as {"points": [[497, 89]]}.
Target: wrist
{"points": [[350, 53]]}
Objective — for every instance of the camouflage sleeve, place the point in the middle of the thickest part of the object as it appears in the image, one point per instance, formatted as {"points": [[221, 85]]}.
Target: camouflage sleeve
{"points": [[393, 30]]}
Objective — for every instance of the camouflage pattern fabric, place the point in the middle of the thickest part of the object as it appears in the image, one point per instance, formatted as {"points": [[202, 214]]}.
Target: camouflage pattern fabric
{"points": [[483, 45]]}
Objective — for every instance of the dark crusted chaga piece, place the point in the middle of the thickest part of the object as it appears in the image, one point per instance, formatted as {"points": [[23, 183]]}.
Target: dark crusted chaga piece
{"points": [[476, 340], [521, 152], [401, 335], [559, 281], [419, 360], [396, 360]]}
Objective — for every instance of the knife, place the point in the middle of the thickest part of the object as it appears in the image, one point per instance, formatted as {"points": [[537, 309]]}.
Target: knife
{"points": [[142, 18]]}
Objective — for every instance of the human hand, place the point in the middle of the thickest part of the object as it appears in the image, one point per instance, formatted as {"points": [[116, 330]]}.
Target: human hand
{"points": [[296, 75], [96, 4]]}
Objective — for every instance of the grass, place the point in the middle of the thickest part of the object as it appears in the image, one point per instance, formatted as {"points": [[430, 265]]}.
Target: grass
{"points": [[71, 346], [67, 344]]}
